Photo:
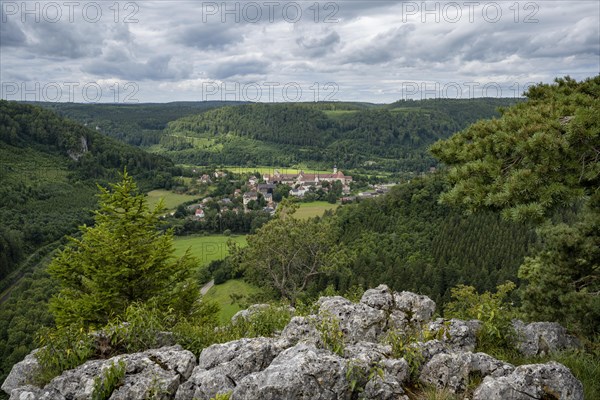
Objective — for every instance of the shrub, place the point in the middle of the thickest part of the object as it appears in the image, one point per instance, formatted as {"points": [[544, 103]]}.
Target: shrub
{"points": [[62, 349], [492, 309]]}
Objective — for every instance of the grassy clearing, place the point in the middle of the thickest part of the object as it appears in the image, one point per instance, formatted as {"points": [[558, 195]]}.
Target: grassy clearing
{"points": [[220, 294], [206, 248], [314, 209], [264, 169], [338, 114], [171, 200]]}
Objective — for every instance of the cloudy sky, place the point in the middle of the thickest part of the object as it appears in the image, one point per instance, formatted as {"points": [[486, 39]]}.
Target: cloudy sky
{"points": [[375, 51]]}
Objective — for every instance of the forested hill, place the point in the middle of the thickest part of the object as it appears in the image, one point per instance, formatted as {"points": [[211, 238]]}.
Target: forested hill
{"points": [[411, 242], [48, 174], [385, 137], [136, 124]]}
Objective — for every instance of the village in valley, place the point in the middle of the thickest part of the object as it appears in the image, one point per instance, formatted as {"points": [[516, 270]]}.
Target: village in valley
{"points": [[263, 191]]}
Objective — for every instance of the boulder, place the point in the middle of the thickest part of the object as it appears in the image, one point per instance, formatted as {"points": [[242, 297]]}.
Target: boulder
{"points": [[367, 353], [536, 381], [389, 386], [358, 322], [153, 373], [301, 329], [380, 298], [22, 373], [458, 335], [417, 308], [250, 311], [541, 338], [452, 371], [222, 366], [404, 309], [302, 372]]}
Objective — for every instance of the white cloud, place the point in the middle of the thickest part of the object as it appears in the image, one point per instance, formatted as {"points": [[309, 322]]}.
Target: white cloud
{"points": [[370, 52]]}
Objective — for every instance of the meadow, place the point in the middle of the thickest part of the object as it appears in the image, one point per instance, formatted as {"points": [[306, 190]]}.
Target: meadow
{"points": [[314, 209], [171, 200], [206, 248], [221, 295]]}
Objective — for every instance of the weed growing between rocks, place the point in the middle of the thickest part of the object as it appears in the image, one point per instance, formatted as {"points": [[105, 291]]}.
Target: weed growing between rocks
{"points": [[111, 379], [332, 336], [497, 334]]}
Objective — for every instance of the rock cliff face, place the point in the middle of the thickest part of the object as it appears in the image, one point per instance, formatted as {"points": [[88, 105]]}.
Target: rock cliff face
{"points": [[297, 364]]}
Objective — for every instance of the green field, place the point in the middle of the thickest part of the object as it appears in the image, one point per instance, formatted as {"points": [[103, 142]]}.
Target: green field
{"points": [[314, 209], [206, 248], [338, 114], [220, 294], [171, 200], [265, 169]]}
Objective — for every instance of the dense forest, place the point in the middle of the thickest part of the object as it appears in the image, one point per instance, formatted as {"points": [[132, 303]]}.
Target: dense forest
{"points": [[50, 168], [390, 138], [135, 124], [411, 242]]}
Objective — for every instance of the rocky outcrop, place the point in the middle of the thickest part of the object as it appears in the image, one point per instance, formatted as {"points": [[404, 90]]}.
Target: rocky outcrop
{"points": [[452, 371], [22, 373], [299, 363], [301, 372], [155, 373], [222, 366], [536, 381], [541, 338]]}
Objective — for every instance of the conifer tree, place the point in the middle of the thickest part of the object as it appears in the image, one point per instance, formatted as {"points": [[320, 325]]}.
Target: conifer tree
{"points": [[120, 260], [539, 157]]}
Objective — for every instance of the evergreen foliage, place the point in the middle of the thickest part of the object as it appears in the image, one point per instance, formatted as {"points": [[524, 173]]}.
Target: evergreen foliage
{"points": [[122, 259], [539, 157]]}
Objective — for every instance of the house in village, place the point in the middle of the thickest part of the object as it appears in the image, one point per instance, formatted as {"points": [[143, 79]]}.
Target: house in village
{"points": [[265, 188], [252, 181], [248, 197], [199, 214], [204, 179], [300, 191]]}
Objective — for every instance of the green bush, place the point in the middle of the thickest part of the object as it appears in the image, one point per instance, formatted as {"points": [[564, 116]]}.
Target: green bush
{"points": [[62, 349], [496, 334]]}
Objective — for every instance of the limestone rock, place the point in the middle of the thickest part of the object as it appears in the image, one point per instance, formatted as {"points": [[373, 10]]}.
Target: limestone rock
{"points": [[380, 298], [457, 334], [156, 373], [417, 308], [539, 338], [452, 371], [222, 366], [536, 381], [358, 322], [388, 387], [302, 372], [301, 329], [22, 373]]}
